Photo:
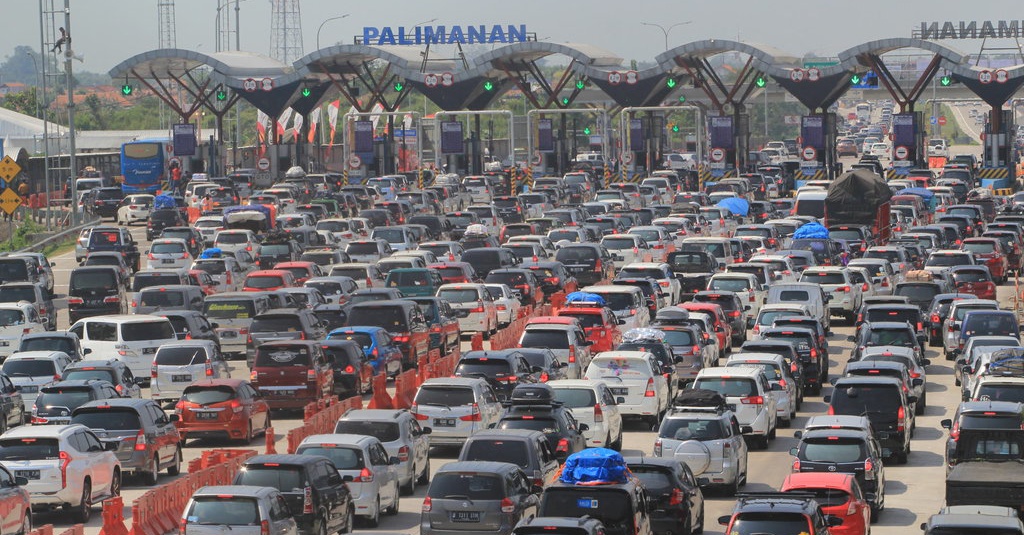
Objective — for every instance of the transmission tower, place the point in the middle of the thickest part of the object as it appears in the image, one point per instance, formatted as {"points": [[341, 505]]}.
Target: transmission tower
{"points": [[165, 22], [227, 25], [285, 30]]}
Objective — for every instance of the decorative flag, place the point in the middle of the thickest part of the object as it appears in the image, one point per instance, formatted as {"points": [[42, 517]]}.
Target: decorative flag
{"points": [[282, 121], [332, 117], [262, 122], [297, 125], [314, 121]]}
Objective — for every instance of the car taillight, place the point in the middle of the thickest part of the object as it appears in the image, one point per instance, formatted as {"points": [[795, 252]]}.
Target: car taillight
{"points": [[597, 265], [473, 416], [140, 441], [252, 376], [657, 448], [796, 465], [814, 354], [307, 500], [954, 433], [75, 301], [782, 383], [752, 400], [844, 289], [572, 354], [649, 393], [755, 330], [900, 417], [152, 371], [869, 466], [563, 446], [734, 313], [209, 368], [427, 505], [264, 527], [831, 411], [311, 375], [365, 476], [676, 498], [507, 506], [885, 283], [598, 413]]}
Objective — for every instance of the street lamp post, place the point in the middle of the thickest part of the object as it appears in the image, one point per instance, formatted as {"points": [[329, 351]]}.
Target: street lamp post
{"points": [[322, 27], [666, 31]]}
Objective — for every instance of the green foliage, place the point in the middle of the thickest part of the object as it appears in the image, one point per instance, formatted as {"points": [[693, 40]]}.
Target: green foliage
{"points": [[26, 102], [24, 232]]}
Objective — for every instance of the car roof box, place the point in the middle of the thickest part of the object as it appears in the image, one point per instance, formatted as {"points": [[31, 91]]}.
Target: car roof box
{"points": [[533, 394], [698, 397]]}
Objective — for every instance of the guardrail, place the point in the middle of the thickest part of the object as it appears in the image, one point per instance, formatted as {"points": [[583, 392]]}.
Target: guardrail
{"points": [[321, 417], [59, 236], [47, 529]]}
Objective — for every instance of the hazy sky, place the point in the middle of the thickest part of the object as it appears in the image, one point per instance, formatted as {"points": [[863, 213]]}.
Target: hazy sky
{"points": [[109, 31]]}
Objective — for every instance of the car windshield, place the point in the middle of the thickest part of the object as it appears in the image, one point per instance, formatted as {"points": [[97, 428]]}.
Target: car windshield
{"points": [[382, 431], [110, 418], [506, 451], [28, 449], [444, 396], [863, 399], [281, 477], [462, 485], [832, 449], [551, 339]]}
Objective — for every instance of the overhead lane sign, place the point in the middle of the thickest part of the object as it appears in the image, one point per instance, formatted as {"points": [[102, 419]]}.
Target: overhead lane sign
{"points": [[473, 34]]}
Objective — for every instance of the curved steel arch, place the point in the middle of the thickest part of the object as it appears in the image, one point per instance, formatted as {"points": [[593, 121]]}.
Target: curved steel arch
{"points": [[765, 57], [224, 66], [850, 58], [584, 54]]}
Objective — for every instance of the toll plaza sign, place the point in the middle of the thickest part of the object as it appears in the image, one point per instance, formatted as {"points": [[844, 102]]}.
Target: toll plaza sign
{"points": [[474, 34]]}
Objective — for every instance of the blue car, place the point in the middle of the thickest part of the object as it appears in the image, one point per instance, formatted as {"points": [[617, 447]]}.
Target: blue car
{"points": [[381, 350]]}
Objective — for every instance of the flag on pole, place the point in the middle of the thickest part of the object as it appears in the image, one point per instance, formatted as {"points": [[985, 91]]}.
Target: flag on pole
{"points": [[332, 118], [298, 119], [282, 121], [262, 122], [314, 121]]}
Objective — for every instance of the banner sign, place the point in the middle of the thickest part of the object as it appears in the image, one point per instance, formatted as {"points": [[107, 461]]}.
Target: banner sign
{"points": [[812, 131], [721, 133], [451, 137], [903, 130], [184, 139], [363, 133], [545, 135], [1001, 29], [636, 135]]}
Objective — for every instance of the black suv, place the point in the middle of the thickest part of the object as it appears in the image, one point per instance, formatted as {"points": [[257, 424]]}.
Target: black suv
{"points": [[978, 421], [534, 407], [347, 360], [849, 451], [317, 496], [106, 201], [887, 333], [114, 239], [113, 371], [777, 512], [693, 269], [885, 403], [623, 508], [56, 400], [147, 439], [734, 309], [162, 219], [95, 291], [676, 502], [502, 369], [191, 325], [811, 355], [590, 263]]}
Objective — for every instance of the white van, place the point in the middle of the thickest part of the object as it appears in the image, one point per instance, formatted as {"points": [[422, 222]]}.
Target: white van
{"points": [[635, 378], [812, 203], [806, 293], [627, 302], [132, 339], [748, 393]]}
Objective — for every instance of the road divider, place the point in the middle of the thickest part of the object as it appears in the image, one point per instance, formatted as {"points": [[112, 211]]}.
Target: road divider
{"points": [[318, 422]]}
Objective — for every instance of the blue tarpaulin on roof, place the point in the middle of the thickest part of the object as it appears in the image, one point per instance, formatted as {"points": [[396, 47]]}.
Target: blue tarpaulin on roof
{"points": [[584, 297], [811, 230], [735, 205], [595, 466], [211, 253], [925, 194], [161, 202]]}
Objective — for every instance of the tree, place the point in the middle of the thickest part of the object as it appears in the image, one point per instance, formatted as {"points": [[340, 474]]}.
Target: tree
{"points": [[21, 66], [26, 102]]}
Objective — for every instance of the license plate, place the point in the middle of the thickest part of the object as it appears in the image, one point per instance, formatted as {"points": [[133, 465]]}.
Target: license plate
{"points": [[618, 257], [148, 350], [586, 503], [181, 378], [278, 393], [4, 343], [27, 474], [461, 313], [466, 516], [206, 415], [229, 334], [444, 422], [620, 391], [167, 261]]}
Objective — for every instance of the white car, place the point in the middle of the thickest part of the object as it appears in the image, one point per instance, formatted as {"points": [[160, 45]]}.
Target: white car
{"points": [[236, 240], [455, 407], [627, 302], [341, 228], [179, 364], [748, 390], [505, 302], [134, 208], [660, 272], [592, 402], [658, 238], [66, 466], [131, 338], [636, 380], [767, 315], [30, 370], [775, 369], [627, 249], [373, 483], [17, 320], [744, 285], [880, 149], [208, 226], [368, 250], [473, 306], [224, 271], [168, 253], [837, 282]]}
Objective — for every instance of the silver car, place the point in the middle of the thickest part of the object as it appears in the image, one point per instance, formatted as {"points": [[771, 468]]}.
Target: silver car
{"points": [[371, 478], [707, 439], [179, 364], [239, 510], [455, 407], [400, 433], [477, 497]]}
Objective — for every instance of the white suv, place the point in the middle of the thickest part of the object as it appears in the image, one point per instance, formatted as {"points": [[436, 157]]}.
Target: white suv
{"points": [[17, 320], [837, 282], [402, 437], [373, 480], [66, 466], [636, 380], [748, 394], [31, 370], [592, 403]]}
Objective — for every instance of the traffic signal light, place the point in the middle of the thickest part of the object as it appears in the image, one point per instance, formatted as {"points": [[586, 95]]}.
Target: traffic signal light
{"points": [[868, 80], [675, 129], [761, 82], [127, 90], [671, 83], [946, 81], [682, 99], [580, 84], [306, 92], [586, 130], [565, 101], [488, 86], [222, 95], [399, 86]]}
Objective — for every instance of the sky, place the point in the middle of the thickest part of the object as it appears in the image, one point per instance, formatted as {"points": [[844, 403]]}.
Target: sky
{"points": [[107, 32]]}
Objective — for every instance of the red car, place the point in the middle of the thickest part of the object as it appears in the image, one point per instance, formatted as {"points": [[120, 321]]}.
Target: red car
{"points": [[600, 324], [221, 408], [838, 494], [303, 271], [722, 328], [974, 280], [990, 251], [267, 280], [203, 280], [455, 272]]}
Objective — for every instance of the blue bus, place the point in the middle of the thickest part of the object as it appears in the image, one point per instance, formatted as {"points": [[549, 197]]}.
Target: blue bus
{"points": [[144, 165]]}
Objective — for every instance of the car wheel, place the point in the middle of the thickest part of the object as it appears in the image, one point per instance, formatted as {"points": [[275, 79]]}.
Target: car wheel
{"points": [[3, 425], [773, 432], [374, 519], [83, 512], [175, 467], [424, 478], [115, 484], [875, 512], [267, 425], [26, 523], [393, 510], [247, 438], [149, 477], [410, 487]]}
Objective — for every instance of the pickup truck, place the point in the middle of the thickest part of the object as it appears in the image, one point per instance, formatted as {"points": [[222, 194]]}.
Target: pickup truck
{"points": [[693, 269]]}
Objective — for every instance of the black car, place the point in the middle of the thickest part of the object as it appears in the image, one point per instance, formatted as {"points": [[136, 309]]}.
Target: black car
{"points": [[884, 401], [590, 263], [551, 369], [162, 219], [95, 291], [106, 201], [347, 359], [676, 502], [813, 364], [552, 276], [733, 307], [937, 312], [851, 451], [112, 371], [114, 239], [534, 407], [887, 333], [56, 400], [975, 422], [275, 250], [318, 498], [502, 369], [777, 512], [193, 239], [191, 325], [523, 280]]}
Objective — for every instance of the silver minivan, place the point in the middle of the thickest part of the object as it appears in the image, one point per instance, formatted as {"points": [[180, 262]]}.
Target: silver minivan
{"points": [[233, 313], [806, 293], [455, 408], [239, 510], [179, 364]]}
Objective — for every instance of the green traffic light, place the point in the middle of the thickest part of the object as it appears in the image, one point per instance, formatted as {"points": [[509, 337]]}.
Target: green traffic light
{"points": [[306, 92], [675, 128], [761, 82], [586, 130], [222, 95], [682, 98], [580, 84], [565, 101], [126, 90], [855, 79], [946, 80], [671, 82], [488, 85], [399, 86]]}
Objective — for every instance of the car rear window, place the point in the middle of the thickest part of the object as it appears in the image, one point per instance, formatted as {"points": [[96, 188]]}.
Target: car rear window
{"points": [[344, 458], [167, 248], [98, 279], [65, 398], [794, 296], [28, 368], [111, 418], [382, 431], [773, 522], [831, 449], [822, 277], [655, 478], [13, 294], [971, 275], [586, 320], [178, 356], [729, 285], [228, 310], [453, 295], [146, 280], [576, 398], [28, 449], [861, 399], [686, 429], [505, 451], [445, 396], [901, 315], [208, 395], [891, 337], [918, 292], [391, 318], [284, 478], [161, 298], [51, 343], [771, 370], [611, 506], [280, 356], [474, 486], [287, 323], [1000, 392], [264, 281], [551, 339], [728, 386], [146, 330], [485, 367]]}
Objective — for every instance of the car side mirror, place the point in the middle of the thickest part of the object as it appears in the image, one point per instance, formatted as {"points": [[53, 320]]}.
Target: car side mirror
{"points": [[721, 265], [793, 451], [173, 418], [86, 351], [620, 400], [536, 369], [139, 381], [724, 520], [426, 431], [827, 399], [347, 479], [394, 461], [833, 521], [622, 321], [21, 481], [946, 424], [584, 427], [746, 429], [851, 338], [798, 434], [917, 382], [967, 370], [926, 362], [911, 399]]}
